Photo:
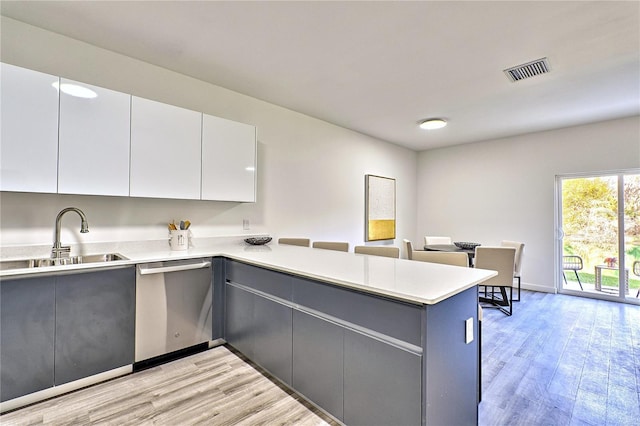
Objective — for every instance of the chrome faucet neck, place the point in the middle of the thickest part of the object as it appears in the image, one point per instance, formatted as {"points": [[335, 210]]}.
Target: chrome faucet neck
{"points": [[59, 250]]}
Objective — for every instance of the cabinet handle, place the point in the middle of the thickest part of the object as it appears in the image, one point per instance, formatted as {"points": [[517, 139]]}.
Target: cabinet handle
{"points": [[144, 270]]}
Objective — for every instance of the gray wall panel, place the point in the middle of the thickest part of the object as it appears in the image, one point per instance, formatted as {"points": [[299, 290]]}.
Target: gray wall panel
{"points": [[451, 365]]}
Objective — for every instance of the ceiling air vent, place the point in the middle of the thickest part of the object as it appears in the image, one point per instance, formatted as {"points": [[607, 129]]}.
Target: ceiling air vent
{"points": [[530, 69]]}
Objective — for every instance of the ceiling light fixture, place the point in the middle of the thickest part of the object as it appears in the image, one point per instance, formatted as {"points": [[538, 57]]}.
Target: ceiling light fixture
{"points": [[75, 90], [433, 123]]}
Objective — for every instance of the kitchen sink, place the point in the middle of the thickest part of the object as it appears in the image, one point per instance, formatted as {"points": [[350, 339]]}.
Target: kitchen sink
{"points": [[72, 260]]}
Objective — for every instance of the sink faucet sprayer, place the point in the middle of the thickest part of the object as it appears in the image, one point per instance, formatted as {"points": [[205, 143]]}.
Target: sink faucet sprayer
{"points": [[59, 250]]}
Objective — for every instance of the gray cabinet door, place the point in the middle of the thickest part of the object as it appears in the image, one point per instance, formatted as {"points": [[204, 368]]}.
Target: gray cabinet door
{"points": [[318, 362], [382, 383], [95, 323], [239, 325], [272, 325], [27, 322], [261, 329]]}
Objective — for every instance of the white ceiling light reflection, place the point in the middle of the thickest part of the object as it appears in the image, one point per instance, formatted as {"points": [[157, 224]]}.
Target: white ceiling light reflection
{"points": [[75, 90]]}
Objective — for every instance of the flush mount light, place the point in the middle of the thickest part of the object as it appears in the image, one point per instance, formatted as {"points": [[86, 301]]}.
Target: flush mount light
{"points": [[75, 90], [433, 123]]}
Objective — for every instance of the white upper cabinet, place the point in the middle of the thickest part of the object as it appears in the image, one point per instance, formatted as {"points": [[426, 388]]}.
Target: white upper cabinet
{"points": [[228, 160], [94, 140], [165, 150], [29, 139]]}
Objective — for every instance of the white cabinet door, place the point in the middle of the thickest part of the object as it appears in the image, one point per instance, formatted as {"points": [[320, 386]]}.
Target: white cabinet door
{"points": [[228, 160], [29, 140], [94, 141], [165, 150]]}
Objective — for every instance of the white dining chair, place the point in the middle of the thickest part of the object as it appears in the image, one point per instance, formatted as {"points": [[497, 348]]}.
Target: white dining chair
{"points": [[331, 245], [408, 248], [519, 250], [378, 251], [502, 260], [302, 242], [430, 240], [447, 258]]}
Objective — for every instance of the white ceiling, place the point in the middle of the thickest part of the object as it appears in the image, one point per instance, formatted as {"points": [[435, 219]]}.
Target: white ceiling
{"points": [[380, 67]]}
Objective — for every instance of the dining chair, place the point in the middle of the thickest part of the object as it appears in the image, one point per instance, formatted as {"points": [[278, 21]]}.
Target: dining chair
{"points": [[303, 242], [636, 271], [447, 258], [331, 245], [409, 248], [572, 263], [519, 249], [378, 251], [502, 260], [429, 240]]}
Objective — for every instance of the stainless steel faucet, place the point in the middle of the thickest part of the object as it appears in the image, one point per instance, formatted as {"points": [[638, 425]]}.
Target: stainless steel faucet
{"points": [[59, 250]]}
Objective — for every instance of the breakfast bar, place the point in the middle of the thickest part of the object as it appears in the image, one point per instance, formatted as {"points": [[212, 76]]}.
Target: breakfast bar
{"points": [[370, 340], [367, 339]]}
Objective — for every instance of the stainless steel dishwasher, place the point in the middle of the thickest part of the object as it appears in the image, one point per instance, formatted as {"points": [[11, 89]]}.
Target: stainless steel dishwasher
{"points": [[173, 306]]}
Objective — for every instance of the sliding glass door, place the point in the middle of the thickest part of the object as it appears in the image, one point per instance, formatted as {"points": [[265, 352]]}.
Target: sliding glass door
{"points": [[599, 235]]}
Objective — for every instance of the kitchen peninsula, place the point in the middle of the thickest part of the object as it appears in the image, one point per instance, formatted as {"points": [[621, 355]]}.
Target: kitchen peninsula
{"points": [[367, 339]]}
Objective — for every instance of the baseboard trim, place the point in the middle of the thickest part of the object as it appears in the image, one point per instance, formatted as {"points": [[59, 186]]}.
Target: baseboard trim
{"points": [[539, 288], [38, 396]]}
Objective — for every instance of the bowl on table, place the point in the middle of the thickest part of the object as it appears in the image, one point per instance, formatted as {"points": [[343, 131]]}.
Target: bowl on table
{"points": [[257, 241], [465, 245]]}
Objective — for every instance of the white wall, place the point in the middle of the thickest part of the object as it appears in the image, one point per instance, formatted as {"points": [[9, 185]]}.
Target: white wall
{"points": [[311, 173], [504, 189]]}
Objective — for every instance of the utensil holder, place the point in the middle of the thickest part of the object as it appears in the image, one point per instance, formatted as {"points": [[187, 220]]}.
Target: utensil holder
{"points": [[179, 239]]}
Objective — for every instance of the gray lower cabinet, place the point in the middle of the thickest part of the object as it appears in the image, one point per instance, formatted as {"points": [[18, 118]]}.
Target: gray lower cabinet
{"points": [[318, 362], [95, 323], [382, 383], [365, 359], [239, 323], [56, 329], [260, 328], [272, 342], [27, 324]]}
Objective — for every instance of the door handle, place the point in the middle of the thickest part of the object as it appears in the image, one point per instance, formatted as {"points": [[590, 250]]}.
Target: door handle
{"points": [[145, 270]]}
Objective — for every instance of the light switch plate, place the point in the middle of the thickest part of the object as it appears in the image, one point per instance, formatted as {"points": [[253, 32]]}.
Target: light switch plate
{"points": [[469, 331], [246, 225]]}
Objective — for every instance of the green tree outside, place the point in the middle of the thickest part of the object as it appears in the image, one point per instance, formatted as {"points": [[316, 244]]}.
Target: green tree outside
{"points": [[590, 221]]}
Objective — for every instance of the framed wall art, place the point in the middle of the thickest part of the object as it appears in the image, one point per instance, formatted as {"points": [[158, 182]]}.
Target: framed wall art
{"points": [[380, 208]]}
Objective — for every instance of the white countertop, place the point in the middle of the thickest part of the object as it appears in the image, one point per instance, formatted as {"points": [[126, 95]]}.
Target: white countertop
{"points": [[407, 280]]}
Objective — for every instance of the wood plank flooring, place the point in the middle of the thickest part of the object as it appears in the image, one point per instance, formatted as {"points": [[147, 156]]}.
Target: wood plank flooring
{"points": [[215, 387], [559, 360]]}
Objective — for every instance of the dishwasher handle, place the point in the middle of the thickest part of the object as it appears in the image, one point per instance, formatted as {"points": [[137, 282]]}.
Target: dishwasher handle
{"points": [[145, 270]]}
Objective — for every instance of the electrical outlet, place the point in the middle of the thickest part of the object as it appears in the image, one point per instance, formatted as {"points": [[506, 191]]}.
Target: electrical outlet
{"points": [[245, 224], [468, 331]]}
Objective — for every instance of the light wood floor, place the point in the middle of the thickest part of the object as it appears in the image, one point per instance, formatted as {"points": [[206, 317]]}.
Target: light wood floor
{"points": [[215, 387], [559, 360]]}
